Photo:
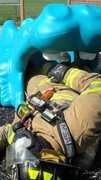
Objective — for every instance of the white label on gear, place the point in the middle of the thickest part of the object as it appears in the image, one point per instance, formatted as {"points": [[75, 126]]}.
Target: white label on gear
{"points": [[87, 56], [51, 56]]}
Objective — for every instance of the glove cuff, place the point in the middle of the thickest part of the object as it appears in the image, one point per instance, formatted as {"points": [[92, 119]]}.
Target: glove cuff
{"points": [[63, 69], [58, 73]]}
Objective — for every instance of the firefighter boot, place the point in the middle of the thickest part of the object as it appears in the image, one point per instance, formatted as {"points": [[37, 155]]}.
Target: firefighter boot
{"points": [[86, 159]]}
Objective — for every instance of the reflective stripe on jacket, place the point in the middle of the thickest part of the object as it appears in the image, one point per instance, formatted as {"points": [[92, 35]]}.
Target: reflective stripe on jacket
{"points": [[95, 86], [10, 134], [59, 94], [82, 81]]}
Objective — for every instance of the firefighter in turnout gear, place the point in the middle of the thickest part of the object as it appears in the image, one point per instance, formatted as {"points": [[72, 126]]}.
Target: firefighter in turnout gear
{"points": [[66, 119]]}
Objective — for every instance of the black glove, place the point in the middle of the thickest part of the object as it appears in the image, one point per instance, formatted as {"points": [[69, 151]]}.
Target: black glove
{"points": [[58, 73]]}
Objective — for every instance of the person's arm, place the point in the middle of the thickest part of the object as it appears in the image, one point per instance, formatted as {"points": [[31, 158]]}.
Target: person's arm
{"points": [[81, 80], [75, 78]]}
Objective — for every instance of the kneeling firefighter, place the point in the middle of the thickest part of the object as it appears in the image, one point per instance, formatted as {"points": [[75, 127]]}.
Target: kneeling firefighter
{"points": [[59, 124]]}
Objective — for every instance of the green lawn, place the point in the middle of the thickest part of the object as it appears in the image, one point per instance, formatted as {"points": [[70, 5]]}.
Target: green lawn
{"points": [[32, 9]]}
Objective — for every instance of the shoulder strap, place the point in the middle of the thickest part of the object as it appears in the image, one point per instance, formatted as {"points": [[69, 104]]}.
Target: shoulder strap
{"points": [[65, 134]]}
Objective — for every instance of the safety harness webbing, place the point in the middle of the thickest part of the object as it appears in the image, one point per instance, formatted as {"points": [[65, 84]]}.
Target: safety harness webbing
{"points": [[64, 132], [49, 116]]}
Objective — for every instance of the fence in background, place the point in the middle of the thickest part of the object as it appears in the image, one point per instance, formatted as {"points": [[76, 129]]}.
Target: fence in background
{"points": [[7, 5], [97, 2], [32, 8]]}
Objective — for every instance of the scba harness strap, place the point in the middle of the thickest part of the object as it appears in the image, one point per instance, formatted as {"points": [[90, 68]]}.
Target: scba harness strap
{"points": [[65, 134]]}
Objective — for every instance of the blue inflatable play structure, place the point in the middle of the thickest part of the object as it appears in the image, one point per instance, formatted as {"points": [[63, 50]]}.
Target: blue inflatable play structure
{"points": [[77, 29]]}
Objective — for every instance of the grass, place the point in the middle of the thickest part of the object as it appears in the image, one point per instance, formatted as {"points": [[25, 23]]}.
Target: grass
{"points": [[32, 8]]}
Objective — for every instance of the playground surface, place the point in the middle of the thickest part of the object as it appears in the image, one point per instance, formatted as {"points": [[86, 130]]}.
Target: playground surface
{"points": [[7, 116]]}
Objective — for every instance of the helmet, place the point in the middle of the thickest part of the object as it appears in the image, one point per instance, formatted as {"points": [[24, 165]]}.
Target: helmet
{"points": [[25, 166], [27, 171], [23, 157]]}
